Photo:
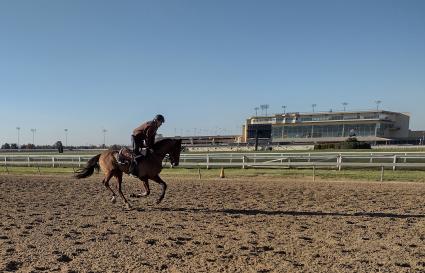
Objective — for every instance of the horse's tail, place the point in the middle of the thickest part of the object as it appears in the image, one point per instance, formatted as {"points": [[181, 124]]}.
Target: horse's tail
{"points": [[88, 170]]}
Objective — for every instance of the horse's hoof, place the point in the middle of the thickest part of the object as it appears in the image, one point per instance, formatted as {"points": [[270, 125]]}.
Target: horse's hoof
{"points": [[139, 195], [113, 200], [158, 201], [128, 206]]}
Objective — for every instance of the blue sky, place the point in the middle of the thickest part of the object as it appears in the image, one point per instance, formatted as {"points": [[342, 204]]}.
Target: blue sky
{"points": [[205, 65]]}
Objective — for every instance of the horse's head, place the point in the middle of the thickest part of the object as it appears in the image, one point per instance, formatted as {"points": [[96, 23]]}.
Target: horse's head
{"points": [[174, 152], [170, 147]]}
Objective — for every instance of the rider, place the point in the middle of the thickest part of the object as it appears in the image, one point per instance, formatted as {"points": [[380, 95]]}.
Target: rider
{"points": [[144, 137]]}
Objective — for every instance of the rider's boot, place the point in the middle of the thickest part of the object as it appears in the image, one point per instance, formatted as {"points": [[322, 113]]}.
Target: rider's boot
{"points": [[132, 170]]}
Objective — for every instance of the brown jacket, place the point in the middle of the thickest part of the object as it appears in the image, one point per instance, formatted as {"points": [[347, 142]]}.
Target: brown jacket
{"points": [[147, 132]]}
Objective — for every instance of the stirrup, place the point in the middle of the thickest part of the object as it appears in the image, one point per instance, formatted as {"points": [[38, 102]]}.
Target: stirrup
{"points": [[133, 166]]}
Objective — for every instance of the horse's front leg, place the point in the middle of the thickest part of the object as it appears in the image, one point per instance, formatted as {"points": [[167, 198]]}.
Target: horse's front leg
{"points": [[158, 180], [146, 186], [146, 192]]}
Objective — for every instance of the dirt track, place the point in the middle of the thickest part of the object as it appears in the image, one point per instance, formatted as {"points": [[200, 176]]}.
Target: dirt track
{"points": [[58, 224]]}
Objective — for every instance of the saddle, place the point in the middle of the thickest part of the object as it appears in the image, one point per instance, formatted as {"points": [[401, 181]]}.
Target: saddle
{"points": [[125, 156]]}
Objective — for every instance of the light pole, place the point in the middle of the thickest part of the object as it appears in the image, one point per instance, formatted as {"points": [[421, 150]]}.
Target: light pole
{"points": [[256, 111], [104, 137], [378, 102], [344, 104], [66, 137], [264, 107], [18, 128], [313, 106], [33, 130], [284, 109]]}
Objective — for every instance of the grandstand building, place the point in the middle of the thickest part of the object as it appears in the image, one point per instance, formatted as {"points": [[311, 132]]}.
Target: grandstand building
{"points": [[377, 126]]}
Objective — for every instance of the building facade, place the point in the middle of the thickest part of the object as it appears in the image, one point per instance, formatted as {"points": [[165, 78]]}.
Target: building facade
{"points": [[372, 126]]}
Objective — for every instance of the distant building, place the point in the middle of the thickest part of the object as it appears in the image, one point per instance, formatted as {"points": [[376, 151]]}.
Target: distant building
{"points": [[209, 140], [415, 137], [371, 126]]}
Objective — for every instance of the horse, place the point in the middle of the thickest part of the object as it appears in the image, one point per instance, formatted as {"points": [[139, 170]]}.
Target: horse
{"points": [[148, 167]]}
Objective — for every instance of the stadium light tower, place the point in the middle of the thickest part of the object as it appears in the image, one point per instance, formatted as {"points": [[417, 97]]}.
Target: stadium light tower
{"points": [[378, 102], [18, 128], [344, 104], [284, 109], [264, 107], [33, 130], [256, 111], [66, 137], [313, 106], [104, 137]]}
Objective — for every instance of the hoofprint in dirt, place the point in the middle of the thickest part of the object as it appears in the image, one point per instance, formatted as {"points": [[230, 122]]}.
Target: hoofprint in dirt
{"points": [[257, 224]]}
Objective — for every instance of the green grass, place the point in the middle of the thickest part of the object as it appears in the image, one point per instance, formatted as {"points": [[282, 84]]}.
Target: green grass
{"points": [[35, 170], [364, 175]]}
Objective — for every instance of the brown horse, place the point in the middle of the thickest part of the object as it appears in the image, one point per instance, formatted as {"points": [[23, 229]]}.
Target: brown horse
{"points": [[148, 167]]}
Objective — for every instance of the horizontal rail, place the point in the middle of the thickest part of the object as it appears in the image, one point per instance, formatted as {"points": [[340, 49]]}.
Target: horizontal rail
{"points": [[248, 160]]}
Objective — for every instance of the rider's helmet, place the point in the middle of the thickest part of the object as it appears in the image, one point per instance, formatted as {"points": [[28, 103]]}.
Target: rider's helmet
{"points": [[159, 118]]}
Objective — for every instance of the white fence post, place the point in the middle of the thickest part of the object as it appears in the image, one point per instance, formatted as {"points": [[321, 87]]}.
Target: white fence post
{"points": [[28, 160], [208, 161], [79, 162], [243, 162], [53, 161], [337, 160], [382, 173], [340, 163], [394, 162]]}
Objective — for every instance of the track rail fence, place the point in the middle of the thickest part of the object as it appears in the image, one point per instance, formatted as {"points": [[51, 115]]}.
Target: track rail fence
{"points": [[388, 160]]}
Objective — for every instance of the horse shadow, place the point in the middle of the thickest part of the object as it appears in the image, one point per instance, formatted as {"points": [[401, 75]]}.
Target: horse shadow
{"points": [[256, 212]]}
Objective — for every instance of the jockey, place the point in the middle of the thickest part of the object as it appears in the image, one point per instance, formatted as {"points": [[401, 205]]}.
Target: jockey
{"points": [[143, 138]]}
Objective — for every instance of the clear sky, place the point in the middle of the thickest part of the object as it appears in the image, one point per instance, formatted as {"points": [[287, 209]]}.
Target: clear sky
{"points": [[205, 65]]}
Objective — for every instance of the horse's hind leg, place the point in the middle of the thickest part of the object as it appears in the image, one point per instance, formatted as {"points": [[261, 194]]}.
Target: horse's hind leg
{"points": [[105, 182], [119, 180], [158, 180]]}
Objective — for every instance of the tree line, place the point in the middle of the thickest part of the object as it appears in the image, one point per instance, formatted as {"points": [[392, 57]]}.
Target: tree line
{"points": [[56, 145]]}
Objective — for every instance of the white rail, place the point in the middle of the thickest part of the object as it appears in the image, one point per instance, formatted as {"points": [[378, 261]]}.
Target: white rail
{"points": [[341, 160]]}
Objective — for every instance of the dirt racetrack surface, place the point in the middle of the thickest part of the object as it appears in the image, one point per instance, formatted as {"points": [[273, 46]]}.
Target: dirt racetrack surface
{"points": [[250, 224]]}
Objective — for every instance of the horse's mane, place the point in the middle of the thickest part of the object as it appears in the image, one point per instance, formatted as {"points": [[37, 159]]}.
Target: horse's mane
{"points": [[161, 142]]}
